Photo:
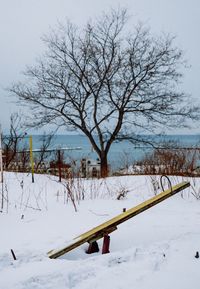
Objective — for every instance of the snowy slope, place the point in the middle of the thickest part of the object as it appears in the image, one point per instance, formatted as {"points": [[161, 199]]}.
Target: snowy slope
{"points": [[155, 249]]}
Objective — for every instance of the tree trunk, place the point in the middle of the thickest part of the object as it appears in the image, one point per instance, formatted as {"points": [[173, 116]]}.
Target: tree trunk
{"points": [[104, 166]]}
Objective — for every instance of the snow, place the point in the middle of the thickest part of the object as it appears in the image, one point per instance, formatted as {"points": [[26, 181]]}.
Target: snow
{"points": [[153, 250]]}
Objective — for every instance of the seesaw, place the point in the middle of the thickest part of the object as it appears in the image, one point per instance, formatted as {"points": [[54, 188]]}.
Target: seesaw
{"points": [[103, 230]]}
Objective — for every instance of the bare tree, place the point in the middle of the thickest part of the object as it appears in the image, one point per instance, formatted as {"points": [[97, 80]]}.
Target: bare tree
{"points": [[11, 141], [44, 152], [106, 82]]}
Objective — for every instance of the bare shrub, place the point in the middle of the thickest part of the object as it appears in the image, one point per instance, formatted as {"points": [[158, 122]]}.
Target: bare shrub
{"points": [[4, 196], [195, 189], [155, 184], [122, 193], [11, 142], [70, 191], [44, 154], [171, 161]]}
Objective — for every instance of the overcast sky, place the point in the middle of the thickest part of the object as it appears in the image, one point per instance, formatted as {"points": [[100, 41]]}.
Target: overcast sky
{"points": [[23, 22]]}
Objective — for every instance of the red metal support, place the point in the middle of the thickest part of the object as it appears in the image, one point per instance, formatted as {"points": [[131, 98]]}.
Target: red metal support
{"points": [[93, 248], [106, 244]]}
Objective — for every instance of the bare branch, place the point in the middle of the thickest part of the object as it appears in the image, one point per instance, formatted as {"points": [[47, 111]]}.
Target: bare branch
{"points": [[104, 81]]}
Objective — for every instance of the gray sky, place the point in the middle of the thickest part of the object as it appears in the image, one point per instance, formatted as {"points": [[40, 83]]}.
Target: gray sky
{"points": [[23, 22]]}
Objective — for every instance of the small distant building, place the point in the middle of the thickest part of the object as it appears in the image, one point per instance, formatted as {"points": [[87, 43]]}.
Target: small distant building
{"points": [[90, 168]]}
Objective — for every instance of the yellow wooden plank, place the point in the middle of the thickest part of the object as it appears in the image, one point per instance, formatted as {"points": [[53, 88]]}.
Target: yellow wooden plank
{"points": [[107, 227], [31, 157]]}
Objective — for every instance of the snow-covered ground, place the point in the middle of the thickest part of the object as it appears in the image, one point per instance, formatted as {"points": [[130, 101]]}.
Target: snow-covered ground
{"points": [[153, 250]]}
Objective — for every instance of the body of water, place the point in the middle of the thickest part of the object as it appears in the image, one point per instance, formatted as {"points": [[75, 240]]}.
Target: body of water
{"points": [[121, 154]]}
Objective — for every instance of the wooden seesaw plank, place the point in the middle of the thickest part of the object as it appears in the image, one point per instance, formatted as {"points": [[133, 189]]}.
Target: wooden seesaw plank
{"points": [[111, 225]]}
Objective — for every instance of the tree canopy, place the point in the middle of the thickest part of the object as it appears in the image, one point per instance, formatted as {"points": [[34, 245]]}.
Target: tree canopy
{"points": [[108, 80]]}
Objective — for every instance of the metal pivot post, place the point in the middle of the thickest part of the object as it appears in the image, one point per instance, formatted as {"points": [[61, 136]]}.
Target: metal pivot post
{"points": [[106, 244]]}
